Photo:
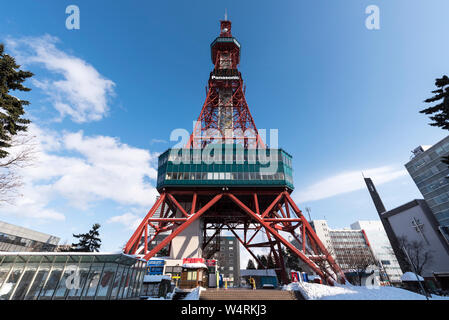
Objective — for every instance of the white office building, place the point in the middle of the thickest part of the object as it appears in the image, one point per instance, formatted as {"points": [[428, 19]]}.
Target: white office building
{"points": [[381, 247]]}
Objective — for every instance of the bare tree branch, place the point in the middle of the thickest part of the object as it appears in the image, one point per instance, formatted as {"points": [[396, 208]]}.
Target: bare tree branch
{"points": [[418, 253], [20, 155]]}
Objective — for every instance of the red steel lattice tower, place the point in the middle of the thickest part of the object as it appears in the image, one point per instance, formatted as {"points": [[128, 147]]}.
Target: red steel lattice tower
{"points": [[237, 191], [225, 114]]}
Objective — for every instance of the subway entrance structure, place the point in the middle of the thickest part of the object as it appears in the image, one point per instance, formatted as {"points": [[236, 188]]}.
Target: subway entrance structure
{"points": [[227, 179]]}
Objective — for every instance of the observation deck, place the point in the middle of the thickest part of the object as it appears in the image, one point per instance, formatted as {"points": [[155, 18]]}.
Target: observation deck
{"points": [[226, 165], [224, 43]]}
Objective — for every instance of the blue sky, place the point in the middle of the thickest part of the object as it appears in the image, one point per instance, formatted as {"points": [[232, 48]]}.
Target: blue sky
{"points": [[106, 97]]}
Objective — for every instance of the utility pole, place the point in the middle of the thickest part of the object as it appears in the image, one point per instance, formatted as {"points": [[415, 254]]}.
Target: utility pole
{"points": [[416, 272]]}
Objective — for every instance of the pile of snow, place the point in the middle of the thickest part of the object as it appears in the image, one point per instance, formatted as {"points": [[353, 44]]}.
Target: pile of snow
{"points": [[155, 277], [194, 294], [435, 297], [6, 288], [197, 265], [410, 276], [170, 295], [314, 291]]}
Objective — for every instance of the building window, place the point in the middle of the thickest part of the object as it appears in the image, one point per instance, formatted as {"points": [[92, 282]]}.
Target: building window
{"points": [[191, 275]]}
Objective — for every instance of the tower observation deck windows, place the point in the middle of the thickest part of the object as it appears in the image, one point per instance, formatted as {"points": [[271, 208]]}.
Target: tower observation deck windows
{"points": [[239, 166]]}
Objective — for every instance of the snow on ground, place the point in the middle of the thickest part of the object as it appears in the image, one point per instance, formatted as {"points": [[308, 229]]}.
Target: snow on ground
{"points": [[314, 291], [194, 294]]}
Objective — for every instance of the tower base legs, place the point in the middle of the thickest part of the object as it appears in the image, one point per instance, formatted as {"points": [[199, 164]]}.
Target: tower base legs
{"points": [[253, 212]]}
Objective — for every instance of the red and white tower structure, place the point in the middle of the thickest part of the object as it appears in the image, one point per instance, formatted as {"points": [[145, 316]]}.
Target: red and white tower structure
{"points": [[226, 179]]}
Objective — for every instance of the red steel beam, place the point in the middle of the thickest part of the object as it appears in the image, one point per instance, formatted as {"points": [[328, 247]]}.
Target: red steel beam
{"points": [[277, 235], [139, 230], [271, 206], [256, 203], [261, 244], [331, 260], [167, 219], [146, 239], [252, 237], [282, 220], [182, 227], [192, 210], [178, 205], [272, 192], [287, 209], [246, 247], [213, 236]]}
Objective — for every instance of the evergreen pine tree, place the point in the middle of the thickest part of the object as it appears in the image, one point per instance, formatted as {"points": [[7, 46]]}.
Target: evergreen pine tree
{"points": [[263, 262], [250, 265], [291, 260], [271, 264], [440, 111], [11, 108], [88, 242]]}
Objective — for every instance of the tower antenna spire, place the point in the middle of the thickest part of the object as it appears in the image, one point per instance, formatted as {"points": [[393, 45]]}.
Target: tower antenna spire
{"points": [[226, 14]]}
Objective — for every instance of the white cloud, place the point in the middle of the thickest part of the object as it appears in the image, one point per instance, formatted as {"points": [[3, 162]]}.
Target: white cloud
{"points": [[347, 182], [78, 91], [32, 204], [130, 220], [83, 170]]}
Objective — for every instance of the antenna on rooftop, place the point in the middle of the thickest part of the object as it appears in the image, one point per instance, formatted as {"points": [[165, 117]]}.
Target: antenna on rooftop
{"points": [[308, 211], [226, 14]]}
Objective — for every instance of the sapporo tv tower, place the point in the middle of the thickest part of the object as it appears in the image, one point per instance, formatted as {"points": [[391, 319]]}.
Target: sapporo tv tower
{"points": [[226, 179]]}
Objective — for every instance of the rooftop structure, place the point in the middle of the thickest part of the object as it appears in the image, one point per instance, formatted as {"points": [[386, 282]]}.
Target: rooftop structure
{"points": [[16, 238]]}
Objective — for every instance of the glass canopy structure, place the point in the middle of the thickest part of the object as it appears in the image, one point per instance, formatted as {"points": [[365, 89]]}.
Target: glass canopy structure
{"points": [[70, 276]]}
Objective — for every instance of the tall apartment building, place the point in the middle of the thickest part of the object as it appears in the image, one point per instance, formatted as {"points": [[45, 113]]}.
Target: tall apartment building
{"points": [[228, 257], [381, 247], [19, 239], [430, 176], [345, 245]]}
